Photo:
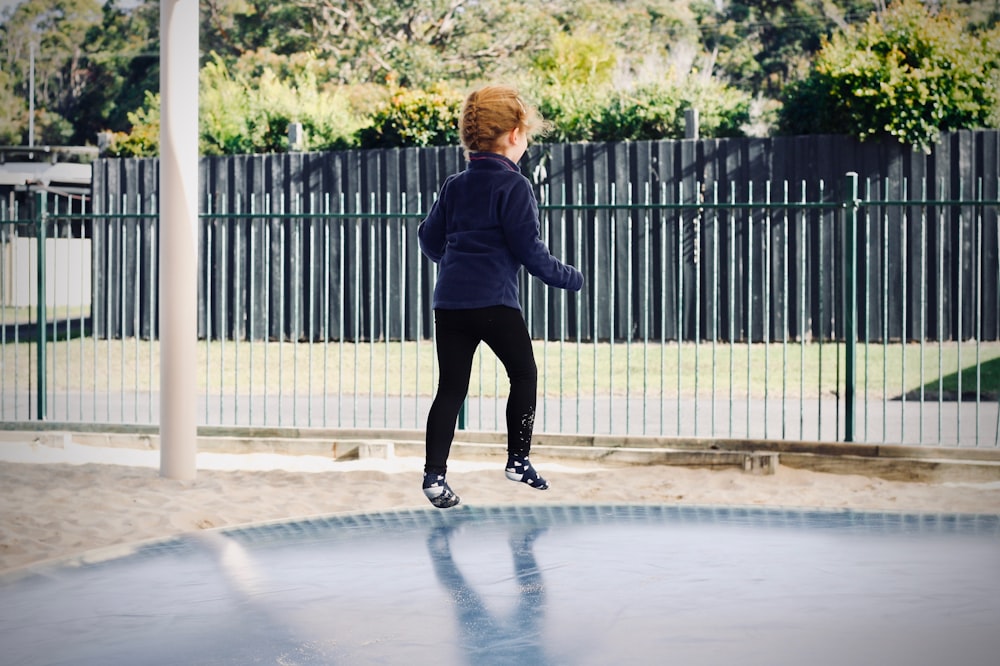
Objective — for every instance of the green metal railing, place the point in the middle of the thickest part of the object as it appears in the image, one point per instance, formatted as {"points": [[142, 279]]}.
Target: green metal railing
{"points": [[316, 313]]}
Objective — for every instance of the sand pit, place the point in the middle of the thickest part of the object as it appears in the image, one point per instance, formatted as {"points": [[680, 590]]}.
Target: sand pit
{"points": [[66, 500]]}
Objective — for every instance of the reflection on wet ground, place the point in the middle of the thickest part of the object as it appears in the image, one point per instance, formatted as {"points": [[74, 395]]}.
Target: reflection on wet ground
{"points": [[538, 585]]}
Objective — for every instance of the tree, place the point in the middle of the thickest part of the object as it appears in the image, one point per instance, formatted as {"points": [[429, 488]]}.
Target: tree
{"points": [[121, 65], [13, 112], [587, 62], [412, 42], [906, 72], [763, 45], [55, 31]]}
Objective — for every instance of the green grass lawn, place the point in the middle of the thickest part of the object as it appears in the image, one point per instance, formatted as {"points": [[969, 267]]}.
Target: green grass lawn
{"points": [[807, 370]]}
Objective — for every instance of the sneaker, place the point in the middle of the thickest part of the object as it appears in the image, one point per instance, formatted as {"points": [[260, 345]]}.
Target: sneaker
{"points": [[519, 468], [438, 491]]}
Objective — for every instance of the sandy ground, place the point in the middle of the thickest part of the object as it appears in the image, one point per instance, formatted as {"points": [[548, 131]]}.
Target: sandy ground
{"points": [[63, 501]]}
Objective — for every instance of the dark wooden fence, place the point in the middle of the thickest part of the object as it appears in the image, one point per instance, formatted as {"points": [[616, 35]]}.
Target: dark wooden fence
{"points": [[678, 239]]}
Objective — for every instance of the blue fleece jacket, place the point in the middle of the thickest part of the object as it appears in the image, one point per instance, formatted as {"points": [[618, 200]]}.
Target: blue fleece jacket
{"points": [[481, 229]]}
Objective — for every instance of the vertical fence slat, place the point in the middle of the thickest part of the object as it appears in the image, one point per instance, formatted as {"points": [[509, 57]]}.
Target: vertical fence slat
{"points": [[925, 275]]}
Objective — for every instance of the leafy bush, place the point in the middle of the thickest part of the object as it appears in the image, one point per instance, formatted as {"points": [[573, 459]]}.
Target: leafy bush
{"points": [[415, 118], [722, 110], [226, 117], [240, 115], [905, 73], [144, 139], [572, 111], [576, 59], [657, 112], [647, 112]]}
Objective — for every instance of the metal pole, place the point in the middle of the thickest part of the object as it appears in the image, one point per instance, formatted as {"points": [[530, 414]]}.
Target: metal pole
{"points": [[31, 95], [178, 236], [850, 302], [40, 334]]}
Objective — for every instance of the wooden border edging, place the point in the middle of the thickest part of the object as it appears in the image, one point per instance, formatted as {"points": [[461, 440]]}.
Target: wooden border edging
{"points": [[895, 462]]}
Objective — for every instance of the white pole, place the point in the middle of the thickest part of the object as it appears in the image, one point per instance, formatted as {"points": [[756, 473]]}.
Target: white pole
{"points": [[178, 236]]}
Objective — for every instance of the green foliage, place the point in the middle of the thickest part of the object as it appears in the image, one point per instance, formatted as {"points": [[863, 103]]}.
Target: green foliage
{"points": [[383, 72], [13, 112], [647, 112], [226, 117], [413, 42], [52, 129], [122, 64], [415, 118], [144, 138], [237, 116], [906, 73], [762, 45], [58, 30], [572, 112], [243, 115], [657, 112], [575, 59]]}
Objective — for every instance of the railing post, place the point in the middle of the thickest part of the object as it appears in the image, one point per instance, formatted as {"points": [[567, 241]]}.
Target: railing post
{"points": [[40, 333], [850, 302]]}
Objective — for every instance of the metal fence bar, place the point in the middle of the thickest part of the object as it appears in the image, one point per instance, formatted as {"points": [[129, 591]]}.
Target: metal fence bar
{"points": [[578, 233], [238, 312], [41, 343], [612, 297], [868, 308], [902, 301], [748, 338], [766, 281], [122, 301], [251, 300], [758, 264], [923, 304], [940, 319], [784, 314], [978, 310], [958, 324], [732, 303], [850, 304], [885, 315], [8, 266], [647, 307], [714, 320], [679, 261], [696, 260]]}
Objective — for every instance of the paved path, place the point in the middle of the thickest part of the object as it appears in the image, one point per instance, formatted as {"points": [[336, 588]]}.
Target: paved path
{"points": [[891, 422]]}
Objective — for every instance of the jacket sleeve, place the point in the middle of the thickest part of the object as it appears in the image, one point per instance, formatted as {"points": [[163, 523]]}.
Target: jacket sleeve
{"points": [[431, 231], [522, 233]]}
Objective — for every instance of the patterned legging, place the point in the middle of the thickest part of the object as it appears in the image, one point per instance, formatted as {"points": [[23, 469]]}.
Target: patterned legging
{"points": [[459, 333]]}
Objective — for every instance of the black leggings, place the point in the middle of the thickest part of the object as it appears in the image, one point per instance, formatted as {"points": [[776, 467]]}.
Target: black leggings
{"points": [[459, 333]]}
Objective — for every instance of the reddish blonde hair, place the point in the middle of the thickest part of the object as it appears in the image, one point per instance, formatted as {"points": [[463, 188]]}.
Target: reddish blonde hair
{"points": [[492, 111]]}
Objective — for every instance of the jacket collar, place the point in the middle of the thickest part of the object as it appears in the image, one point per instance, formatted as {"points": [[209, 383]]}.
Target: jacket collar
{"points": [[492, 160]]}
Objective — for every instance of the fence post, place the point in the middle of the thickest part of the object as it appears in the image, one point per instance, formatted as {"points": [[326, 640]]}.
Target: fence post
{"points": [[850, 302], [40, 340]]}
